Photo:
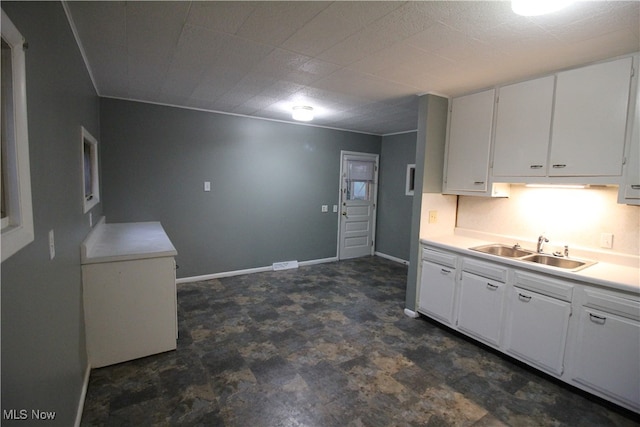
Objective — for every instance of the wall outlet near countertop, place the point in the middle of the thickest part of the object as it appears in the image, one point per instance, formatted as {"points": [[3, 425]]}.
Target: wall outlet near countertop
{"points": [[433, 217], [606, 240]]}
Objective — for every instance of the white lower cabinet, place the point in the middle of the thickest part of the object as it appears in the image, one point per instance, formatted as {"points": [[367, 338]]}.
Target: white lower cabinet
{"points": [[606, 353], [536, 329], [480, 308], [581, 333], [437, 285]]}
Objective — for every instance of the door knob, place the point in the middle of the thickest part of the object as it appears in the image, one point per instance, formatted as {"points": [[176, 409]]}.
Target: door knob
{"points": [[344, 214]]}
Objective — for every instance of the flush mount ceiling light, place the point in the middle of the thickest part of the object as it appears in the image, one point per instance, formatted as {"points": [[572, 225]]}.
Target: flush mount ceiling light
{"points": [[538, 7], [302, 113]]}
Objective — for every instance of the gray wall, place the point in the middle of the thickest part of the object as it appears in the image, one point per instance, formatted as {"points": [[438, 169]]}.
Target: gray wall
{"points": [[43, 349], [430, 143], [394, 207], [268, 182]]}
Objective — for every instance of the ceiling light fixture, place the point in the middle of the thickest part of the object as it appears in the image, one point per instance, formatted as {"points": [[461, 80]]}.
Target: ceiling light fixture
{"points": [[302, 113], [538, 7]]}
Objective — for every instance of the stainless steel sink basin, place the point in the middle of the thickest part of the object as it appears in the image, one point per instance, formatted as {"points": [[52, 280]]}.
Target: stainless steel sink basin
{"points": [[520, 254], [502, 250], [553, 261]]}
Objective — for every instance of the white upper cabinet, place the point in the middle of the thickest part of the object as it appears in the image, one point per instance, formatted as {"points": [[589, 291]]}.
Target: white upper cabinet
{"points": [[590, 117], [630, 188], [523, 125], [469, 145]]}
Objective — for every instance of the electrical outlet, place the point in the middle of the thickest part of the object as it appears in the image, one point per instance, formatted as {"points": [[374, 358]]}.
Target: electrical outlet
{"points": [[52, 245], [433, 217], [606, 240], [325, 208]]}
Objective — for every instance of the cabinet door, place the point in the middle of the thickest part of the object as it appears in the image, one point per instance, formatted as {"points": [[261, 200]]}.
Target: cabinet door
{"points": [[537, 328], [523, 124], [480, 309], [630, 190], [607, 355], [437, 287], [590, 119], [469, 142]]}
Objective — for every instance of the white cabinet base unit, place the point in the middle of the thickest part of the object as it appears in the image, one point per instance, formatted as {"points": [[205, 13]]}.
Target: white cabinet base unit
{"points": [[584, 333], [481, 304], [437, 285], [606, 355], [538, 321], [129, 292]]}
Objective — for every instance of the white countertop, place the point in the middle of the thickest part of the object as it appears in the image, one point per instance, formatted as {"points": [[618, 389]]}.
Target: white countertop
{"points": [[624, 277], [126, 241]]}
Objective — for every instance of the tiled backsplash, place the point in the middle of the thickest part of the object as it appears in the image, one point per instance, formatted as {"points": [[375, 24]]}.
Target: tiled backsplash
{"points": [[576, 217]]}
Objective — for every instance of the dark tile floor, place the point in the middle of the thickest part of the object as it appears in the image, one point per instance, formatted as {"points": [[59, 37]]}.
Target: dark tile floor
{"points": [[327, 345]]}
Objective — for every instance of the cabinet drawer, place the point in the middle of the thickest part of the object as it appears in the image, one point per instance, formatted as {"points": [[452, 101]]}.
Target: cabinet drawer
{"points": [[490, 271], [439, 257], [544, 285], [612, 304]]}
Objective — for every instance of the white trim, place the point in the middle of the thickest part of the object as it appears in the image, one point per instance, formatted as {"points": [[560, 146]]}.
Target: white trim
{"points": [[247, 271], [95, 170], [408, 191], [19, 232], [400, 133], [391, 258], [411, 313], [83, 395], [76, 36], [165, 104]]}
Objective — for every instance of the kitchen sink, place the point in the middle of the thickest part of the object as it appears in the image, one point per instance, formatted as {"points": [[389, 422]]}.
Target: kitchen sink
{"points": [[502, 250], [553, 261], [520, 254]]}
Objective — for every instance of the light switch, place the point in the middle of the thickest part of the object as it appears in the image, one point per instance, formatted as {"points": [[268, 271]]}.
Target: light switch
{"points": [[52, 245], [335, 208], [207, 186], [325, 208]]}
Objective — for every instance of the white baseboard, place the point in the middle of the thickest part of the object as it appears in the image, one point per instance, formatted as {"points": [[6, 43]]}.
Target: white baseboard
{"points": [[411, 313], [392, 258], [246, 271], [83, 395]]}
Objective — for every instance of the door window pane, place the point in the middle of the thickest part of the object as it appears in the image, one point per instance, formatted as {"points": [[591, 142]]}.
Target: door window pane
{"points": [[358, 190]]}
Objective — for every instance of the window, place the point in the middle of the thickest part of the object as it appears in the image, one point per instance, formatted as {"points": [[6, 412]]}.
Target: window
{"points": [[411, 180], [17, 213], [90, 174], [359, 179]]}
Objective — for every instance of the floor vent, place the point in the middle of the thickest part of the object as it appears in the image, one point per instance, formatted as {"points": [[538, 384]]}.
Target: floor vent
{"points": [[285, 265]]}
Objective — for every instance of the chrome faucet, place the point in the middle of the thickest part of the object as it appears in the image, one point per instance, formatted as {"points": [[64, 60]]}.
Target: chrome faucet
{"points": [[541, 241]]}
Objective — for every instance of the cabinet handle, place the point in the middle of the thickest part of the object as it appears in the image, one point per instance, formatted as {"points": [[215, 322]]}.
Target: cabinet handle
{"points": [[635, 186], [524, 298], [491, 287], [597, 319], [478, 182], [443, 271], [559, 166], [535, 166]]}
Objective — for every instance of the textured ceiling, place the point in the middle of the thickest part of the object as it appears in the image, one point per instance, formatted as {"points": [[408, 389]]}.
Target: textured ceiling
{"points": [[359, 64]]}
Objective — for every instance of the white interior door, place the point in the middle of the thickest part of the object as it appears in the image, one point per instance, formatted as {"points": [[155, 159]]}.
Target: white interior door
{"points": [[358, 194]]}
